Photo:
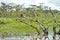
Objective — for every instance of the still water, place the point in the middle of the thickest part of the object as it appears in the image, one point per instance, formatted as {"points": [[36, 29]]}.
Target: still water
{"points": [[28, 38]]}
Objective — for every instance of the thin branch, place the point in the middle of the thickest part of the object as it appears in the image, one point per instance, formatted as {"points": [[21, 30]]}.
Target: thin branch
{"points": [[38, 21], [54, 17], [32, 27]]}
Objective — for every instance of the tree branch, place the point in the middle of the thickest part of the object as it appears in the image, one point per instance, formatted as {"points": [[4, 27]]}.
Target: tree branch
{"points": [[38, 21], [54, 17], [32, 27]]}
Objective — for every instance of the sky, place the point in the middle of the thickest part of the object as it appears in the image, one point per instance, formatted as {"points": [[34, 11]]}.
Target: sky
{"points": [[55, 4]]}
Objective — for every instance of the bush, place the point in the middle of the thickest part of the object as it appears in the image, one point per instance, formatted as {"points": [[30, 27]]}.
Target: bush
{"points": [[5, 20], [1, 22]]}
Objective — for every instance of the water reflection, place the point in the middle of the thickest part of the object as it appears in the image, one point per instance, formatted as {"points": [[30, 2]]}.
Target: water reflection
{"points": [[31, 37]]}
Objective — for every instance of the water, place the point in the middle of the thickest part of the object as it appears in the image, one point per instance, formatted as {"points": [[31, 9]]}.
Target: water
{"points": [[28, 38]]}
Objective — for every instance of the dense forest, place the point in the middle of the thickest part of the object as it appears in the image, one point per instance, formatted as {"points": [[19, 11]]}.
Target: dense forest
{"points": [[34, 19]]}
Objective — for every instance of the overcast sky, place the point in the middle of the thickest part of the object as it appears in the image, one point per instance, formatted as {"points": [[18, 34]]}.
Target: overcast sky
{"points": [[55, 4]]}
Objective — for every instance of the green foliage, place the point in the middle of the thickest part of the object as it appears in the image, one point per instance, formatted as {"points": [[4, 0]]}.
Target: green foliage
{"points": [[5, 20]]}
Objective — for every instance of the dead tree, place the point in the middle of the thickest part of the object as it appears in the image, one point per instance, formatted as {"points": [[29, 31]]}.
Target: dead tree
{"points": [[32, 27], [45, 30], [54, 30], [58, 33], [54, 17], [56, 24]]}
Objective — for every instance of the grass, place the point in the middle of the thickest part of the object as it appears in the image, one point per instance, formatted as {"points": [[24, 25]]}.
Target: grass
{"points": [[11, 25]]}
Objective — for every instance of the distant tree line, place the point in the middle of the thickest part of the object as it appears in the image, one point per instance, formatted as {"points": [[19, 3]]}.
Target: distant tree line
{"points": [[14, 10]]}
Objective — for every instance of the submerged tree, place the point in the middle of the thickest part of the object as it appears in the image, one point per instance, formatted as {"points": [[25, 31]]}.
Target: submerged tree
{"points": [[56, 24], [32, 14], [41, 25]]}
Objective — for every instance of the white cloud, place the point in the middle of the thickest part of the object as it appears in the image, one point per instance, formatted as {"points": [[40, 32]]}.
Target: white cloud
{"points": [[24, 1], [55, 4]]}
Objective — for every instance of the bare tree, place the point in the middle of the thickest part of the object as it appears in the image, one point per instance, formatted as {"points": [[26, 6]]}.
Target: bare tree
{"points": [[55, 26], [41, 25], [45, 30]]}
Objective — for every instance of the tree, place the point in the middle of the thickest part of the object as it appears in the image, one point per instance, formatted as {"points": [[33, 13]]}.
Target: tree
{"points": [[41, 25], [31, 14], [56, 24]]}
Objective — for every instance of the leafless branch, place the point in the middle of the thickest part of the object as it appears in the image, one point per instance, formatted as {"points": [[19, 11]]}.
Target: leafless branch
{"points": [[39, 22], [54, 17], [32, 27]]}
